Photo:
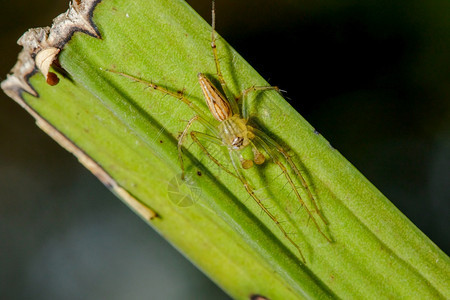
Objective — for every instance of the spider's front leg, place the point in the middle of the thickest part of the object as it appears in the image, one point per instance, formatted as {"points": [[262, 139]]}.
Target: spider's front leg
{"points": [[241, 98]]}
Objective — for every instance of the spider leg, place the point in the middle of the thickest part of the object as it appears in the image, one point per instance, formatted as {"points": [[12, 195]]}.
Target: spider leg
{"points": [[273, 155], [178, 95], [267, 139], [180, 143], [234, 106], [251, 192], [196, 135], [244, 104]]}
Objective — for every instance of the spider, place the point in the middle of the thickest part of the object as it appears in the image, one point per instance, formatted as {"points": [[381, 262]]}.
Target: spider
{"points": [[234, 133]]}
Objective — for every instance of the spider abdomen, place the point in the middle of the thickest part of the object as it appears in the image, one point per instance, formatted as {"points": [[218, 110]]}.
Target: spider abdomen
{"points": [[217, 103]]}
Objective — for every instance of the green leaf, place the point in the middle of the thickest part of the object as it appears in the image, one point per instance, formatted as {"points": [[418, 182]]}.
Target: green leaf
{"points": [[130, 134]]}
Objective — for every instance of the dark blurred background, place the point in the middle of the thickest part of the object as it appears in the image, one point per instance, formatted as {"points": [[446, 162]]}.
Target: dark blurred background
{"points": [[371, 76]]}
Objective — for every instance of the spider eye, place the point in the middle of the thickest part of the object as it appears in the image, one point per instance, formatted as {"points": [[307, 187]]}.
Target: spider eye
{"points": [[238, 142]]}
